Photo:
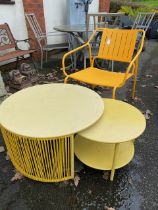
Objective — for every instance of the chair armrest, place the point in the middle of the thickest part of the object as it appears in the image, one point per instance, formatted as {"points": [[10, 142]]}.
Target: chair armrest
{"points": [[29, 40], [71, 52]]}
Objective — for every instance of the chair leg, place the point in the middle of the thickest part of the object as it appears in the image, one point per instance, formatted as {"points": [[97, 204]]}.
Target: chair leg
{"points": [[17, 62], [134, 86], [46, 55], [113, 92], [85, 62], [33, 61], [112, 65], [41, 59], [65, 80], [135, 79]]}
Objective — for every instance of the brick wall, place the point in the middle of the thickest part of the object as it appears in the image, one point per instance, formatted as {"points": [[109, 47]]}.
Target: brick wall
{"points": [[104, 5], [35, 6]]}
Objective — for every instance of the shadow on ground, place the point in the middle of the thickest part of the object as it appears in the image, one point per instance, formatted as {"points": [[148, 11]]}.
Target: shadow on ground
{"points": [[135, 186]]}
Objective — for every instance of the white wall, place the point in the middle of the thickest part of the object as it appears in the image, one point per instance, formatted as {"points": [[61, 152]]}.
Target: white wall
{"points": [[94, 6], [14, 16], [55, 12]]}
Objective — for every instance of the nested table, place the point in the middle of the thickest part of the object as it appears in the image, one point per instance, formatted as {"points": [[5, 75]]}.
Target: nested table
{"points": [[109, 143], [38, 125]]}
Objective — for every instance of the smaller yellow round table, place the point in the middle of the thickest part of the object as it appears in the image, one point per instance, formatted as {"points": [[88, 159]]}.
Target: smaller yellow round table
{"points": [[109, 143]]}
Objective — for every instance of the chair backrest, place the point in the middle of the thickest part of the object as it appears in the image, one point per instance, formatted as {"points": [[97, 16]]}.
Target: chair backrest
{"points": [[143, 20], [33, 22], [102, 18], [7, 40], [118, 44]]}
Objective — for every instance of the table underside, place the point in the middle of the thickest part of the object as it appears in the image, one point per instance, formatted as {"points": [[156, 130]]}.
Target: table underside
{"points": [[100, 155]]}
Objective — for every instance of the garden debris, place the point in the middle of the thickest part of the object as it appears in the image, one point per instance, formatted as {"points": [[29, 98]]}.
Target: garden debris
{"points": [[130, 180], [49, 76], [137, 99], [76, 180], [66, 182], [7, 156], [89, 192], [9, 94], [17, 176], [148, 114], [5, 170], [108, 208], [106, 175], [143, 86], [41, 76], [149, 76], [2, 149], [7, 88], [125, 100]]}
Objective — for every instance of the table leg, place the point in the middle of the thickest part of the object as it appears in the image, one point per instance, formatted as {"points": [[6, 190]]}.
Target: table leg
{"points": [[114, 162], [72, 158]]}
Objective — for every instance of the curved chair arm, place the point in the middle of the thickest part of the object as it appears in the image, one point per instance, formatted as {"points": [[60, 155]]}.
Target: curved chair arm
{"points": [[71, 52], [79, 48]]}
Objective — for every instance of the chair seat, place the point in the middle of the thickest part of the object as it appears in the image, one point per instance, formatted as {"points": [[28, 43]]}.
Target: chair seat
{"points": [[15, 54], [96, 76]]}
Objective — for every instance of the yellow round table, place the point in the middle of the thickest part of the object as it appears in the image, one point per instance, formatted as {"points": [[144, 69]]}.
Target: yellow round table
{"points": [[38, 125], [109, 143]]}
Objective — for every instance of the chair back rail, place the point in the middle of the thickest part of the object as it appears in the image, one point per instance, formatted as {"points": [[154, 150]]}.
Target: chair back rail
{"points": [[31, 18], [7, 40], [143, 20], [118, 45]]}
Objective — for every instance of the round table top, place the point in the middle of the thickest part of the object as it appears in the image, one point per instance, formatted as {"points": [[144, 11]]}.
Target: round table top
{"points": [[51, 110], [73, 28], [120, 122]]}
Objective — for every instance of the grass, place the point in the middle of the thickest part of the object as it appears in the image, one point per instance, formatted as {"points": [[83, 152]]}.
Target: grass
{"points": [[153, 4]]}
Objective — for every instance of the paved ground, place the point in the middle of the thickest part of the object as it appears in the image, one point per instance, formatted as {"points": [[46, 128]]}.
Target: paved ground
{"points": [[135, 186]]}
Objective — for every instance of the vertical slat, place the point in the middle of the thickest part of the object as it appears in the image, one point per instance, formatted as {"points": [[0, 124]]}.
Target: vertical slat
{"points": [[72, 155], [117, 44], [47, 160]]}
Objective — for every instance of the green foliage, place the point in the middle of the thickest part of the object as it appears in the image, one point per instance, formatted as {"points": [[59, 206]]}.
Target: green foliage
{"points": [[134, 11]]}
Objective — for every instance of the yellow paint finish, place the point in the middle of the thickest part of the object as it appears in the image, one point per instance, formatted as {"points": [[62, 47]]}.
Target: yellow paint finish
{"points": [[108, 144], [96, 76], [51, 110], [120, 122], [38, 126], [100, 155], [46, 160], [116, 45]]}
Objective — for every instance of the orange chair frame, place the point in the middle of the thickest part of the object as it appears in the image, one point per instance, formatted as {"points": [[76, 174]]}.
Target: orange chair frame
{"points": [[115, 45]]}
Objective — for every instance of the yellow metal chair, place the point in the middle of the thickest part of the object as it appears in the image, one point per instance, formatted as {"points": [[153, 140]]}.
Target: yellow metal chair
{"points": [[115, 45]]}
